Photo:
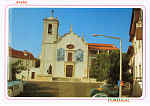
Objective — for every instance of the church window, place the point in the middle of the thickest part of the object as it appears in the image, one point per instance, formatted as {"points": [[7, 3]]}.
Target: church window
{"points": [[69, 56], [70, 46], [50, 28], [60, 54]]}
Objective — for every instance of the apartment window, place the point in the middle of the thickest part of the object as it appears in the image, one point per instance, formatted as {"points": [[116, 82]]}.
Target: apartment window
{"points": [[50, 28]]}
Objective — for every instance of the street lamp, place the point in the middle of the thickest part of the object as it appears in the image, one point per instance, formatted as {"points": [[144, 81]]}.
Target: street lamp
{"points": [[118, 38]]}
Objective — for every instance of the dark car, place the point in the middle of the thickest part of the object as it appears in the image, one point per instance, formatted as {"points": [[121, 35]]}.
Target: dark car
{"points": [[107, 90], [112, 91]]}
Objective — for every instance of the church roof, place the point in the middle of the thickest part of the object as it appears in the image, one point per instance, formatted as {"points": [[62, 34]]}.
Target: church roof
{"points": [[70, 34], [96, 46], [20, 54]]}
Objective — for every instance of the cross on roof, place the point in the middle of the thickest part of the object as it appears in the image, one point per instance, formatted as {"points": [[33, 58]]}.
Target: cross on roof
{"points": [[52, 13]]}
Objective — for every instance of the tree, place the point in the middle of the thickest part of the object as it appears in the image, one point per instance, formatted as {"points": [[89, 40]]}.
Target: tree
{"points": [[107, 67], [100, 67], [115, 67], [16, 68]]}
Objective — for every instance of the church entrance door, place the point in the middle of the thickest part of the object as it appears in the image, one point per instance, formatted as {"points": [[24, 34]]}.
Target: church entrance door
{"points": [[69, 70]]}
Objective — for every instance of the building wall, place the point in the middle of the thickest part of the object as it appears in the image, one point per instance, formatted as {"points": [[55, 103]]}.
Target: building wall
{"points": [[138, 56], [136, 61], [48, 53], [48, 57], [25, 62], [80, 68]]}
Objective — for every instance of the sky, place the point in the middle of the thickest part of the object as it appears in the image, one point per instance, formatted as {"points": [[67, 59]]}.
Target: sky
{"points": [[26, 25]]}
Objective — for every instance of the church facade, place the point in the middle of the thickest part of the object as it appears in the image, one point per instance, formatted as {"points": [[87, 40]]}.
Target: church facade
{"points": [[66, 56]]}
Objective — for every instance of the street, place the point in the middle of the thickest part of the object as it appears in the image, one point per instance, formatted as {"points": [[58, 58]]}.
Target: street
{"points": [[57, 89]]}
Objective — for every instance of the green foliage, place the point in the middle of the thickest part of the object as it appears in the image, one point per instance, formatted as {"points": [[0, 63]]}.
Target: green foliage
{"points": [[115, 67], [100, 67], [107, 67], [16, 68]]}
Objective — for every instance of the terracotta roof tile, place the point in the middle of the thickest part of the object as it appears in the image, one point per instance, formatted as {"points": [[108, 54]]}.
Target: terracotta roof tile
{"points": [[95, 46], [20, 54]]}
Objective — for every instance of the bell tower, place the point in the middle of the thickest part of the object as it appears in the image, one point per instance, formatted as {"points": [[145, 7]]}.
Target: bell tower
{"points": [[50, 30], [50, 36]]}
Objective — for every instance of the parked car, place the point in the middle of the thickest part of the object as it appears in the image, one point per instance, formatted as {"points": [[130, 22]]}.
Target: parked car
{"points": [[107, 90], [98, 92], [100, 95], [111, 90]]}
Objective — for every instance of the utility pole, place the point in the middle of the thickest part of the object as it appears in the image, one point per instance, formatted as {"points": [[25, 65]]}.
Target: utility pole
{"points": [[120, 77], [120, 88]]}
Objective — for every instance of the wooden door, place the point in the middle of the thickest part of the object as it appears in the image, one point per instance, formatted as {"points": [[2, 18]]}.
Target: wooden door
{"points": [[33, 75], [69, 70]]}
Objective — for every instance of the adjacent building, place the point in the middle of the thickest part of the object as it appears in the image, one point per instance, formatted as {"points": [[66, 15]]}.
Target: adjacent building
{"points": [[94, 49], [136, 51], [25, 58]]}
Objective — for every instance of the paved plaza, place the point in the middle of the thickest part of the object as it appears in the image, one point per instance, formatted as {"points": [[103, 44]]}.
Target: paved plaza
{"points": [[57, 89]]}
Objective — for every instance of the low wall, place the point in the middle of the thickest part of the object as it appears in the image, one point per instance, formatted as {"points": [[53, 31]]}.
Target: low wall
{"points": [[70, 79]]}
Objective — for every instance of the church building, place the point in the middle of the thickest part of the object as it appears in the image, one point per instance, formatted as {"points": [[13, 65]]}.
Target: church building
{"points": [[67, 56]]}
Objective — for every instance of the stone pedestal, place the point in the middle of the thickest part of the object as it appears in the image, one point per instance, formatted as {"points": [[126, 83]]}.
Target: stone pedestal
{"points": [[44, 77], [88, 80]]}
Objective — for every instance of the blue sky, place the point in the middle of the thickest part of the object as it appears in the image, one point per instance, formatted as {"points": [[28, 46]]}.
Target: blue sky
{"points": [[26, 25]]}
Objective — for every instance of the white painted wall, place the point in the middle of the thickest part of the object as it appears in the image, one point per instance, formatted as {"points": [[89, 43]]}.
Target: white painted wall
{"points": [[138, 57], [80, 67], [48, 53], [25, 62], [25, 75]]}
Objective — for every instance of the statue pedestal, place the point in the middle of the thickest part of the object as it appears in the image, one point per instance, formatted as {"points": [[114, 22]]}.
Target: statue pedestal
{"points": [[88, 80], [44, 77]]}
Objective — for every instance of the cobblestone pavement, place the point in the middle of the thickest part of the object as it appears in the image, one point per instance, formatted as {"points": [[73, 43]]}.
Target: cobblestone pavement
{"points": [[57, 89]]}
